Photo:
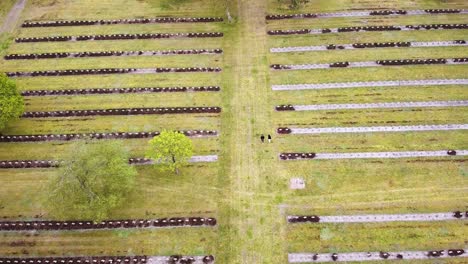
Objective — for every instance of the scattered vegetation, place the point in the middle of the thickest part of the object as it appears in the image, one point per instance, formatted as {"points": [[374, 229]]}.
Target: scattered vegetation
{"points": [[11, 101], [93, 179], [171, 149]]}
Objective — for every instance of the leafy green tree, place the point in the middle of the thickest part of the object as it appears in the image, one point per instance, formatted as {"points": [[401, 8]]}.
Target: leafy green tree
{"points": [[171, 150], [93, 179], [11, 101]]}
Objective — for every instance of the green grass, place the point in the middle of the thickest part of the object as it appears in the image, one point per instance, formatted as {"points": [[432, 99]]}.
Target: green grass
{"points": [[155, 195], [5, 7], [248, 189], [344, 5], [368, 55], [409, 72], [329, 238], [365, 21], [112, 124], [187, 241], [370, 94], [363, 37]]}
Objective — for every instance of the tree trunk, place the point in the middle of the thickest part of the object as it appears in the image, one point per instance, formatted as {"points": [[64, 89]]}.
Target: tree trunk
{"points": [[176, 169]]}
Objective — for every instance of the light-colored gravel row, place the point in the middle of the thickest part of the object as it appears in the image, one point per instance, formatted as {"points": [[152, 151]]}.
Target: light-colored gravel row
{"points": [[350, 46], [332, 130], [381, 105], [387, 155], [366, 256], [357, 64], [318, 86], [335, 30], [368, 13], [377, 218], [193, 159], [13, 16], [165, 260]]}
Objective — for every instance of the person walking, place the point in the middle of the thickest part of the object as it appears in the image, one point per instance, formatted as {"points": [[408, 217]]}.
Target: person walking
{"points": [[262, 138], [269, 138]]}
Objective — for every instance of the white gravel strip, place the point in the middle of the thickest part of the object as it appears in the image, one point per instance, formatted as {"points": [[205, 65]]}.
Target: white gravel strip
{"points": [[376, 218], [357, 64], [165, 259], [193, 159], [350, 46], [366, 256], [368, 13], [318, 86], [325, 130], [335, 30], [387, 155], [381, 105], [206, 158]]}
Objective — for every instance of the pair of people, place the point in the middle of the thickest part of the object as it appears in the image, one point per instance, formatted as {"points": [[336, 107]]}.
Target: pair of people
{"points": [[262, 138]]}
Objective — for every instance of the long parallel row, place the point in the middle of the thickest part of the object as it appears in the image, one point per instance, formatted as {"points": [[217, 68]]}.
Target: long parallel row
{"points": [[376, 256], [26, 164], [377, 218], [378, 63], [394, 83], [121, 37], [121, 90], [76, 72], [108, 224], [93, 54], [156, 20], [334, 130], [367, 13], [460, 103], [174, 259], [368, 28], [112, 135], [371, 155], [406, 44], [124, 111]]}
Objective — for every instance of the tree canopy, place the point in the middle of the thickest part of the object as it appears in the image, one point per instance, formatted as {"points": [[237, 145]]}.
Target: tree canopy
{"points": [[93, 179], [171, 150], [11, 101]]}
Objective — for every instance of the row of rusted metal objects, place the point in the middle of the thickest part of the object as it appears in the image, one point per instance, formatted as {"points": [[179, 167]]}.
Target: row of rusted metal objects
{"points": [[18, 164], [63, 23], [110, 71], [123, 111], [179, 259], [174, 259], [293, 156], [345, 64], [112, 135], [369, 28], [122, 37], [59, 55], [419, 61], [372, 13], [312, 155], [316, 219], [374, 45], [386, 255], [78, 260], [108, 224], [411, 61], [121, 90]]}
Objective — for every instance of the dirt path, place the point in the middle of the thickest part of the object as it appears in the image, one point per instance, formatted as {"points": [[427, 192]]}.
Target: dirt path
{"points": [[12, 17], [251, 235]]}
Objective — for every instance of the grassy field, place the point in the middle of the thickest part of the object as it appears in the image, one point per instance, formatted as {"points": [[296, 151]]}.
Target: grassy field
{"points": [[248, 189]]}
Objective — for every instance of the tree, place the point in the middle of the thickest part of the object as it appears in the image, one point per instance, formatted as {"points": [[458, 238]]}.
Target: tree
{"points": [[11, 101], [93, 179], [171, 150]]}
